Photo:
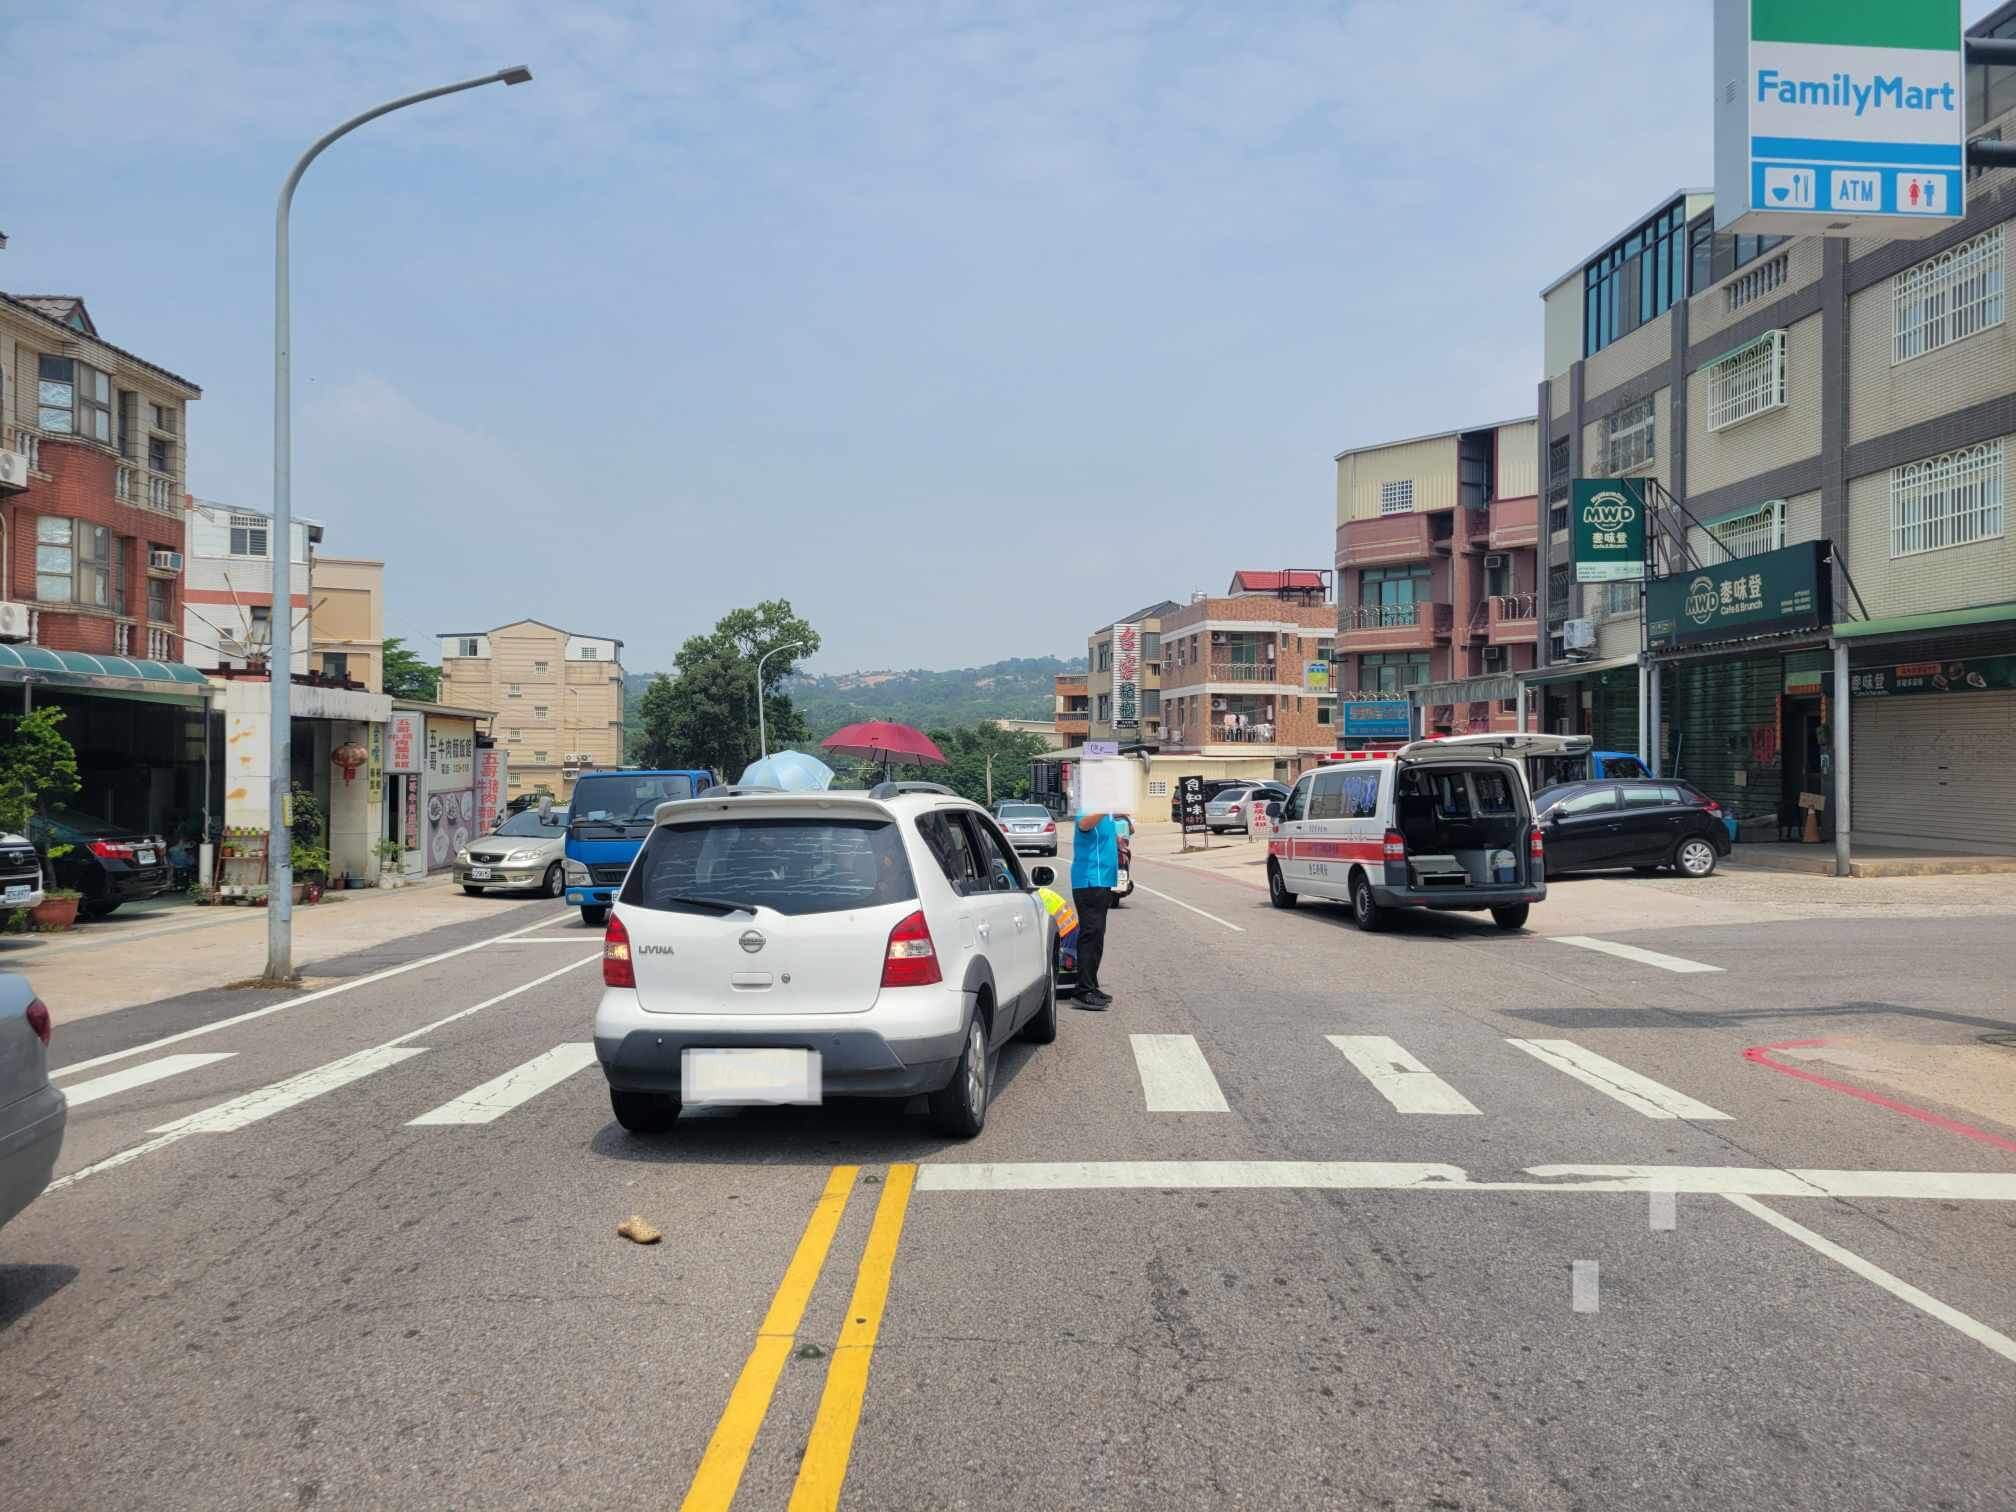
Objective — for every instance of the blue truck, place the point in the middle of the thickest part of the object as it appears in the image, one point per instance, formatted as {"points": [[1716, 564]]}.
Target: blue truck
{"points": [[608, 816]]}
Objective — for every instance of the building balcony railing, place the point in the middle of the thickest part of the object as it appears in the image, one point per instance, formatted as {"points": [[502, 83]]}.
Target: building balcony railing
{"points": [[1512, 618], [29, 444], [1514, 523], [1385, 539], [1394, 627], [1471, 528]]}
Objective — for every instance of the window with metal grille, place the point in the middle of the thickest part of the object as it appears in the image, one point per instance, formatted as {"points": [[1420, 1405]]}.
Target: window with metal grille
{"points": [[1944, 501], [1947, 298], [1762, 529], [1397, 496], [1627, 438], [1617, 598], [1749, 382], [1557, 469], [248, 535]]}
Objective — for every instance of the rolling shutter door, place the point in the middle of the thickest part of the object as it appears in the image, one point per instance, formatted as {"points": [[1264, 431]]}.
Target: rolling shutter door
{"points": [[1936, 770]]}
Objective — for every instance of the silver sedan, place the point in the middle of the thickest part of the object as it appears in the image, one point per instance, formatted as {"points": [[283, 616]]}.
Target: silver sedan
{"points": [[1233, 808], [32, 1112], [525, 852]]}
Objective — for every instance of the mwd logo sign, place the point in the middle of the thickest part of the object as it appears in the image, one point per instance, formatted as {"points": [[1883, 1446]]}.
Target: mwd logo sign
{"points": [[1839, 118]]}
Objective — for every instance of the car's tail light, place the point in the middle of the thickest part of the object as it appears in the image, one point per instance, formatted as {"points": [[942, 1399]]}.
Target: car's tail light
{"points": [[1536, 846], [912, 960], [1396, 846], [1234, 809], [1049, 827], [617, 970], [1712, 806], [38, 1019], [111, 850]]}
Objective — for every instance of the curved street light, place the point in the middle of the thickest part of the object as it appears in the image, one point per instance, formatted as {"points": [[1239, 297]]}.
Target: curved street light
{"points": [[762, 729], [280, 654]]}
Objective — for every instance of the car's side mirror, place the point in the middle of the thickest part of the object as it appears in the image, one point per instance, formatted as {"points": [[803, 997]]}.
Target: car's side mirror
{"points": [[1274, 808], [1042, 876]]}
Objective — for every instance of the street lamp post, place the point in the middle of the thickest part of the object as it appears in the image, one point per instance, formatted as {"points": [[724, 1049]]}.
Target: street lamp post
{"points": [[762, 729], [280, 653]]}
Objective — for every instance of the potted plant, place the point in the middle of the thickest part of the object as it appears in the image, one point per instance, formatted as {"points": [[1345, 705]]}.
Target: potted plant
{"points": [[57, 910], [311, 870], [390, 854]]}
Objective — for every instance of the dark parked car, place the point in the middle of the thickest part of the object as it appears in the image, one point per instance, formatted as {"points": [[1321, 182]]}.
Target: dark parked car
{"points": [[108, 864], [1213, 786], [1643, 824]]}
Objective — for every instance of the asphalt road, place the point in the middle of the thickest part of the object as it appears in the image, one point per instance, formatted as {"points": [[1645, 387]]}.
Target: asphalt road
{"points": [[1531, 1231]]}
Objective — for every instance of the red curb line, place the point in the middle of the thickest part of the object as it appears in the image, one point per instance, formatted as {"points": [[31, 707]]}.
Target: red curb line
{"points": [[1759, 1055]]}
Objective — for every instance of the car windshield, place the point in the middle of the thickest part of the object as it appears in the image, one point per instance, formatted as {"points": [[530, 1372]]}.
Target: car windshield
{"points": [[529, 825], [794, 866], [1024, 811], [624, 800], [70, 824]]}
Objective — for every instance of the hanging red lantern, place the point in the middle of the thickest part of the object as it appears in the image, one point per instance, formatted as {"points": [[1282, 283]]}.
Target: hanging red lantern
{"points": [[349, 760]]}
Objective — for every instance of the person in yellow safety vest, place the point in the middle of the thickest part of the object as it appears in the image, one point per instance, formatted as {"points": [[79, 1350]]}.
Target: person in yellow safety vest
{"points": [[1066, 919]]}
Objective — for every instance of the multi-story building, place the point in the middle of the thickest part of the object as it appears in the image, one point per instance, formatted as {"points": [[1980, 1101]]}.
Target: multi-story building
{"points": [[1437, 572], [228, 591], [91, 483], [1107, 652], [1074, 706], [348, 594], [1859, 393], [1248, 673], [558, 697]]}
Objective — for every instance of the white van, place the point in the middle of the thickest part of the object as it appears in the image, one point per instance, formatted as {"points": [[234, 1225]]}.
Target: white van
{"points": [[1444, 824]]}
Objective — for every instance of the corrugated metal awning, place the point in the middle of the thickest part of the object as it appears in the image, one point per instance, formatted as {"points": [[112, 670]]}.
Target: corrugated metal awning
{"points": [[1906, 624], [157, 681], [1569, 671]]}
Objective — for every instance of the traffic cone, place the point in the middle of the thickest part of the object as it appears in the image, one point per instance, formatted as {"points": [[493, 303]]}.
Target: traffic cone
{"points": [[1811, 834]]}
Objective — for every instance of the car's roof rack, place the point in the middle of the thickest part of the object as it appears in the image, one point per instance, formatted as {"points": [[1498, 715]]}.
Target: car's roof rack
{"points": [[892, 789]]}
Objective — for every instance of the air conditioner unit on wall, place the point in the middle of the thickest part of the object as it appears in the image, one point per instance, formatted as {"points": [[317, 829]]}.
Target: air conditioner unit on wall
{"points": [[165, 561], [1495, 559], [1578, 635], [13, 622], [13, 469], [1494, 658]]}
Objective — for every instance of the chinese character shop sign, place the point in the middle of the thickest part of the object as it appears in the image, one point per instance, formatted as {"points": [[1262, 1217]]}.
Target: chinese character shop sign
{"points": [[1609, 534], [1977, 674], [1126, 675], [402, 742], [1772, 593], [1839, 117]]}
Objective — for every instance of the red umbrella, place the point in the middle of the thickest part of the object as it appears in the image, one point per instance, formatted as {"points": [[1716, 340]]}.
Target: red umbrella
{"points": [[879, 740]]}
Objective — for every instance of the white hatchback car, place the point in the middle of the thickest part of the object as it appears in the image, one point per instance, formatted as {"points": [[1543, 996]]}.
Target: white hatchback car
{"points": [[775, 947]]}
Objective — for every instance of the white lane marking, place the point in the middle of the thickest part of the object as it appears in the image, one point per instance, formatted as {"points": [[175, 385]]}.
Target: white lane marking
{"points": [[299, 1002], [499, 1095], [1175, 1077], [1663, 1215], [1411, 1176], [1399, 1078], [1585, 1276], [1641, 1094], [139, 1076], [1633, 953], [193, 1124], [241, 1112], [1904, 1291], [1235, 928], [579, 939]]}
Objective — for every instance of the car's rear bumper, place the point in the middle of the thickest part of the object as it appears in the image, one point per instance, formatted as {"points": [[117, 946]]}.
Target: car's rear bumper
{"points": [[130, 884], [1458, 899], [31, 1137]]}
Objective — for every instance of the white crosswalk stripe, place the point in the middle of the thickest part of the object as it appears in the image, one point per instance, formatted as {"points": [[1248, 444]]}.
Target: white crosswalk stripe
{"points": [[1634, 953], [1639, 1093], [140, 1076], [1175, 1077], [499, 1095], [240, 1112], [1398, 1077]]}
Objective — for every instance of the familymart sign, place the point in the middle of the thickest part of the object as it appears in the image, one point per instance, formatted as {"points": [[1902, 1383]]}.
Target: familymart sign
{"points": [[1843, 117]]}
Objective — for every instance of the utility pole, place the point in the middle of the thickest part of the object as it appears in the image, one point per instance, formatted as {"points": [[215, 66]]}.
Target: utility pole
{"points": [[990, 779], [762, 729]]}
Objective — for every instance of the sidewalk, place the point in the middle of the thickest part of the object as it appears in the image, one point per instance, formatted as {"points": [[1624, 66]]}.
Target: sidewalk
{"points": [[144, 957]]}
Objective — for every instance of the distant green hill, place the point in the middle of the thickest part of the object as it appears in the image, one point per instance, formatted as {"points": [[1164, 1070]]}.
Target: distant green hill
{"points": [[1019, 688]]}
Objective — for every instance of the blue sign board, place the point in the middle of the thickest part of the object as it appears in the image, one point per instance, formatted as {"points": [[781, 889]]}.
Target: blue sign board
{"points": [[1378, 719]]}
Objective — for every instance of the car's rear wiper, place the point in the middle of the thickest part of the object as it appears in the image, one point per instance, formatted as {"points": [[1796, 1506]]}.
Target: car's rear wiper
{"points": [[726, 905]]}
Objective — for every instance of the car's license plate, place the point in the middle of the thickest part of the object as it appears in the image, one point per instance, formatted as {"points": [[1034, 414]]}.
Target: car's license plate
{"points": [[145, 857], [749, 1076], [1121, 883], [479, 874], [1027, 829], [19, 893]]}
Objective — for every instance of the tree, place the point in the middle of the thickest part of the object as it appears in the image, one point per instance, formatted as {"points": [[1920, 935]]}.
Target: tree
{"points": [[407, 676], [709, 710], [968, 749], [37, 767], [655, 741]]}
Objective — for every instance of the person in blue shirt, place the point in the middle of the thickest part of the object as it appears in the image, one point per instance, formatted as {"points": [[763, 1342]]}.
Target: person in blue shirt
{"points": [[1095, 869]]}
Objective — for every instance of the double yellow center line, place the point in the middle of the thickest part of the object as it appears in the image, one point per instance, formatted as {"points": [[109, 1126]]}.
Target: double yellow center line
{"points": [[824, 1466]]}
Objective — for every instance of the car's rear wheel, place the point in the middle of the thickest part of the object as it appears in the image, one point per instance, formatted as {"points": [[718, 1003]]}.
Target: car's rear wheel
{"points": [[554, 883], [474, 892], [959, 1108], [92, 910], [1277, 888], [1042, 1029], [594, 915], [1365, 909], [644, 1112], [1695, 857], [1513, 917]]}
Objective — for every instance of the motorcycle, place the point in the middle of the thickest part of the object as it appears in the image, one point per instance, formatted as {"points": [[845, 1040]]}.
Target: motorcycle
{"points": [[1123, 886]]}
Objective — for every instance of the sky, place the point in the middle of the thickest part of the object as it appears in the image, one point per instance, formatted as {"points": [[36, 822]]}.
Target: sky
{"points": [[964, 327]]}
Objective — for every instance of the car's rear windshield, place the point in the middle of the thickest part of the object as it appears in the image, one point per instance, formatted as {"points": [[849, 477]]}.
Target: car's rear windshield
{"points": [[621, 800], [1024, 811], [795, 866]]}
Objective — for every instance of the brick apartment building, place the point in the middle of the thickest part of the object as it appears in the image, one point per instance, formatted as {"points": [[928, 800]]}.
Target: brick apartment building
{"points": [[1074, 706], [93, 507], [1237, 676], [1437, 572], [1103, 653]]}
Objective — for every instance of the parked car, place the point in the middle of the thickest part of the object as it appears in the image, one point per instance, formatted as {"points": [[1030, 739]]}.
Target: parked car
{"points": [[32, 1112], [784, 947], [20, 873], [608, 816], [1649, 824], [527, 850], [106, 863], [1232, 809], [1028, 827], [1443, 824], [1212, 787], [1590, 766]]}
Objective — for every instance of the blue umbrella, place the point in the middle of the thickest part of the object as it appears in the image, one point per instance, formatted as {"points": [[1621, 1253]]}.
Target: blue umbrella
{"points": [[791, 771]]}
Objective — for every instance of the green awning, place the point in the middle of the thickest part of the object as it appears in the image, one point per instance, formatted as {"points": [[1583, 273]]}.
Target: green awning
{"points": [[117, 676], [1569, 671], [1905, 624]]}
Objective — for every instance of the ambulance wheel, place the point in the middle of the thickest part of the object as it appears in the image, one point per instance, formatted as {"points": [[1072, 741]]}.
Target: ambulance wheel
{"points": [[1277, 888]]}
